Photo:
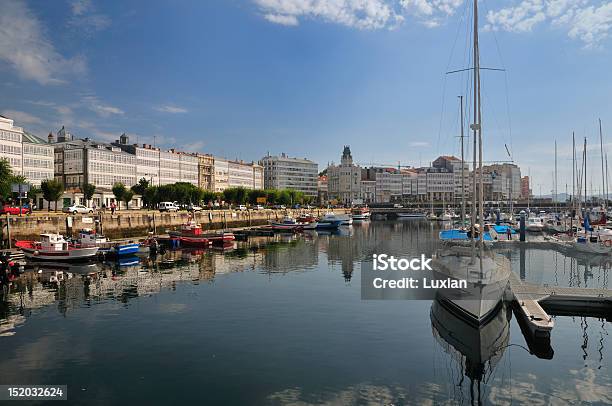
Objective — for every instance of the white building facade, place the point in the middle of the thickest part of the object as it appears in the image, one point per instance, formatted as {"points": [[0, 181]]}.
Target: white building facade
{"points": [[344, 180], [283, 172], [27, 154], [231, 174]]}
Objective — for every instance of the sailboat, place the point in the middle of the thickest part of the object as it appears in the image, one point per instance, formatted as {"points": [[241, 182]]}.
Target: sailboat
{"points": [[485, 272], [475, 350]]}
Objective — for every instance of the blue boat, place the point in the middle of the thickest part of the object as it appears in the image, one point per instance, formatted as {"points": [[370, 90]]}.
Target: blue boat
{"points": [[460, 235], [121, 249]]}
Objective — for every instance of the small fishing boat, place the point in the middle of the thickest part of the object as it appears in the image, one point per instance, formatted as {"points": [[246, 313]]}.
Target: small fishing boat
{"points": [[306, 218], [54, 247], [287, 224], [190, 235], [329, 222], [360, 213], [89, 238]]}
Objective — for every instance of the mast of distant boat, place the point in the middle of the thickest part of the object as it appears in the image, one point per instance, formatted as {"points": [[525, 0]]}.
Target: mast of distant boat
{"points": [[462, 166], [603, 174]]}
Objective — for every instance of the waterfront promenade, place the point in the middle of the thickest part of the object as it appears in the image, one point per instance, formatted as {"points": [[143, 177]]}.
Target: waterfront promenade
{"points": [[132, 223]]}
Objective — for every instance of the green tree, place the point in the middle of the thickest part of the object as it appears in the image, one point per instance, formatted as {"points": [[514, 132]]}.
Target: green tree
{"points": [[284, 197], [229, 195], [150, 197], [52, 190], [141, 186], [118, 190], [127, 198], [241, 195], [88, 192], [255, 194]]}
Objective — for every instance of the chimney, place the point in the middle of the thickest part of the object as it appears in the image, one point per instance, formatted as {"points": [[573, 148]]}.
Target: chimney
{"points": [[50, 138]]}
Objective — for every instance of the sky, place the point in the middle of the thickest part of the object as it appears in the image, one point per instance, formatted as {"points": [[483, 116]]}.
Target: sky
{"points": [[241, 79]]}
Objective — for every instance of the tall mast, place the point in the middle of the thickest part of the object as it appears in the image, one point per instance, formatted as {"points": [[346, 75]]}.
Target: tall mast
{"points": [[603, 174], [474, 128], [584, 172], [462, 166], [555, 175], [573, 200], [478, 121]]}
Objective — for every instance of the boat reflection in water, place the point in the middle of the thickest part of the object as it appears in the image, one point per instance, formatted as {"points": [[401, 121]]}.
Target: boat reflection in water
{"points": [[476, 349], [486, 274]]}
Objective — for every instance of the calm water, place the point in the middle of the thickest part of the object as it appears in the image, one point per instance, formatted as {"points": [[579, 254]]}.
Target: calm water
{"points": [[280, 321]]}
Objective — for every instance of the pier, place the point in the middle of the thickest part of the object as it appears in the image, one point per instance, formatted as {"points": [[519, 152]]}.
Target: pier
{"points": [[536, 304]]}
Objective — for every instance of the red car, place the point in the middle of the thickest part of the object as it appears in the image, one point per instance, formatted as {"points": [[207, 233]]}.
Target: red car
{"points": [[14, 210]]}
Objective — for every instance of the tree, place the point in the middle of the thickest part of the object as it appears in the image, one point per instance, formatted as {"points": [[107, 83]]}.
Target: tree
{"points": [[127, 198], [141, 186], [150, 196], [118, 190], [88, 192], [229, 195], [52, 190]]}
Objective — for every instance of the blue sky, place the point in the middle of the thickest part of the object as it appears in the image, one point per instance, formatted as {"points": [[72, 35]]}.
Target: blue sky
{"points": [[243, 78]]}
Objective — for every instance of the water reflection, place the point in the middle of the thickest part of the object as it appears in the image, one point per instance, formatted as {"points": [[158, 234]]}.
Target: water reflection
{"points": [[276, 313]]}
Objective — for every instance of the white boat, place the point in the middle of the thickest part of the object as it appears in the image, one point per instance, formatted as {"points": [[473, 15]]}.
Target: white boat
{"points": [[487, 278], [360, 213], [474, 351], [344, 219], [591, 245], [535, 224], [89, 238], [55, 247]]}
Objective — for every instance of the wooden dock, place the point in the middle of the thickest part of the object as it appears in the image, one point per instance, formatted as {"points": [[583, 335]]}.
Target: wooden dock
{"points": [[536, 303]]}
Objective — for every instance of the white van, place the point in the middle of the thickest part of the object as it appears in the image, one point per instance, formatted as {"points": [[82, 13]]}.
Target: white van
{"points": [[167, 206]]}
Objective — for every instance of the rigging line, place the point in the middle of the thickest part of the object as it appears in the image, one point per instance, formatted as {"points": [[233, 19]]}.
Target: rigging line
{"points": [[503, 64]]}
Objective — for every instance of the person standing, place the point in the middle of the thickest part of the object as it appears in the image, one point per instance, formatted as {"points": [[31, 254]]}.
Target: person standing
{"points": [[113, 207]]}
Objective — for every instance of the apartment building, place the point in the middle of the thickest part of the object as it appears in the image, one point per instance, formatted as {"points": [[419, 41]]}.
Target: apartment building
{"points": [[230, 174], [344, 180], [27, 154], [283, 172]]}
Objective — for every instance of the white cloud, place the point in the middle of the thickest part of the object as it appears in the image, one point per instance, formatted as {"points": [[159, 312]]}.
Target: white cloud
{"points": [[103, 110], [85, 17], [21, 117], [171, 109], [25, 48], [282, 19], [362, 14], [584, 21]]}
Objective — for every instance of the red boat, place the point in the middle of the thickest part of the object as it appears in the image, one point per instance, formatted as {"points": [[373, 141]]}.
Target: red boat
{"points": [[191, 235]]}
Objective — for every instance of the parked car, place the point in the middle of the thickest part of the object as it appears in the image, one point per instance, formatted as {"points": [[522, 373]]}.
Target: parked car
{"points": [[258, 207], [77, 208], [7, 209], [397, 206], [279, 206], [241, 207], [194, 208], [167, 206]]}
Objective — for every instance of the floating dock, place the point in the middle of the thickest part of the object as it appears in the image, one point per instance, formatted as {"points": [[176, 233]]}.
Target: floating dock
{"points": [[536, 302]]}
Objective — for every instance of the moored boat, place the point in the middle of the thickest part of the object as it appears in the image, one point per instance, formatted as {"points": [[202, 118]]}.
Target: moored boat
{"points": [[360, 213], [287, 224], [89, 238], [190, 234], [54, 247]]}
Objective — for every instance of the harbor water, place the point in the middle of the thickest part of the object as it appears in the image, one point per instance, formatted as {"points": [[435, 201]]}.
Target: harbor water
{"points": [[280, 320]]}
